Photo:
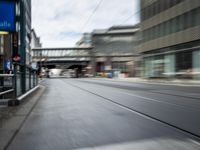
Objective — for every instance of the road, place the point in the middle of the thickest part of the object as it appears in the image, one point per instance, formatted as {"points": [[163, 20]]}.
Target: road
{"points": [[106, 114]]}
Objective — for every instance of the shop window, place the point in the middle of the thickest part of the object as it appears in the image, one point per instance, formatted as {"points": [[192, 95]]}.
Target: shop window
{"points": [[183, 61]]}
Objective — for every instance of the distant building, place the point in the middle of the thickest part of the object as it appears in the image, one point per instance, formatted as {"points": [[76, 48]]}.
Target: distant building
{"points": [[170, 38], [35, 40], [27, 23], [35, 43], [114, 50], [85, 40]]}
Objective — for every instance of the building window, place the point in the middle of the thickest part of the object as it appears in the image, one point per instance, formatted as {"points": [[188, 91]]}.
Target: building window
{"points": [[157, 7], [183, 61], [177, 24]]}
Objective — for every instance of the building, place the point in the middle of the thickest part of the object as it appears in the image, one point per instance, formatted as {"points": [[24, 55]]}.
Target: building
{"points": [[25, 80], [85, 41], [27, 21], [23, 29], [114, 50], [7, 25], [15, 49], [170, 38], [35, 40], [35, 43]]}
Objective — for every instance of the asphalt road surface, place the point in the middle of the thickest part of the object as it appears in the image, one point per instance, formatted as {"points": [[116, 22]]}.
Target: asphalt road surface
{"points": [[106, 114]]}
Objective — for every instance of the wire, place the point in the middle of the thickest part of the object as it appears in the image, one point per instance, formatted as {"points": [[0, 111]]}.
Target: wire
{"points": [[93, 13], [131, 16]]}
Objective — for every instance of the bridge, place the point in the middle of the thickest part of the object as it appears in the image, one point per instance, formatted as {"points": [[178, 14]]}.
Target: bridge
{"points": [[84, 60], [63, 58]]}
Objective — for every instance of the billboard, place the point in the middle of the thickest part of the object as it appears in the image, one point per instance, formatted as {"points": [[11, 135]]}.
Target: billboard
{"points": [[7, 15]]}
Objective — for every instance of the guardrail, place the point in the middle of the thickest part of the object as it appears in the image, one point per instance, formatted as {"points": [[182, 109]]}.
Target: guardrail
{"points": [[7, 86], [11, 85], [6, 92]]}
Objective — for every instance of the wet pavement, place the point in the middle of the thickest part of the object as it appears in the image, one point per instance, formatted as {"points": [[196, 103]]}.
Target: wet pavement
{"points": [[84, 114], [13, 118]]}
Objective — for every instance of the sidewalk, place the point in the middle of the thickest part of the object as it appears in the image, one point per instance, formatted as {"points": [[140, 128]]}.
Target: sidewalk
{"points": [[179, 82], [12, 118]]}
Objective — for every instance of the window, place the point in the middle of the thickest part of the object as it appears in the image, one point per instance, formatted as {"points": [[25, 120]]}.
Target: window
{"points": [[167, 28], [196, 14], [183, 61], [159, 6], [187, 20], [162, 29], [156, 30]]}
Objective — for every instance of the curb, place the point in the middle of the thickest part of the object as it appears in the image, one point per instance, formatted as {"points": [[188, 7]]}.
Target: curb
{"points": [[27, 93], [15, 102], [160, 82]]}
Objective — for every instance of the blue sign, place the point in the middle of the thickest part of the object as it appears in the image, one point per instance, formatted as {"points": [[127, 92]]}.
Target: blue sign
{"points": [[7, 16], [7, 65]]}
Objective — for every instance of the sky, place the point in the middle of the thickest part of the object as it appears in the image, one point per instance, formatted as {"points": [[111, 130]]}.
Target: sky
{"points": [[61, 23]]}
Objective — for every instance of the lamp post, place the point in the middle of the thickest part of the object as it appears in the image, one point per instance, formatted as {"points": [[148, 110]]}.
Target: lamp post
{"points": [[40, 63]]}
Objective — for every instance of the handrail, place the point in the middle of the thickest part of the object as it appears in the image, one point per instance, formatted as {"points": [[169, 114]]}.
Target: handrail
{"points": [[6, 75], [5, 92]]}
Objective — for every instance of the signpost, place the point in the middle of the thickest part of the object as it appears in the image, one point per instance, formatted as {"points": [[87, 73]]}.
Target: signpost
{"points": [[7, 16]]}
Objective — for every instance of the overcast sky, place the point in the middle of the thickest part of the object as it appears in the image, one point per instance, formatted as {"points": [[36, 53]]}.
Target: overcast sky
{"points": [[60, 23]]}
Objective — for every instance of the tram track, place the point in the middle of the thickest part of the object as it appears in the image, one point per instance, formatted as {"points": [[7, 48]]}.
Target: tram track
{"points": [[193, 135]]}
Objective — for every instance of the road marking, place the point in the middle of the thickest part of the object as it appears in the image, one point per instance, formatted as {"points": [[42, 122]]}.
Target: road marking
{"points": [[148, 90], [125, 91], [150, 82], [185, 132], [194, 141], [155, 100]]}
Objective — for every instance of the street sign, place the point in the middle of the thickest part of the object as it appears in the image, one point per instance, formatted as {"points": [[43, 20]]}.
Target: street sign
{"points": [[16, 58], [7, 16], [7, 65]]}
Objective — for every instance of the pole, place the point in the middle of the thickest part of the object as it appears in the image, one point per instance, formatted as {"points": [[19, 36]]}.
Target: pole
{"points": [[23, 46]]}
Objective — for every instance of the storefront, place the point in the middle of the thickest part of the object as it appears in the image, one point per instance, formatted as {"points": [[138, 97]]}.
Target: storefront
{"points": [[182, 61], [16, 76]]}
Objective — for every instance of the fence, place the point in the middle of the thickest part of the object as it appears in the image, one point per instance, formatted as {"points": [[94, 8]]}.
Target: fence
{"points": [[7, 86], [12, 85]]}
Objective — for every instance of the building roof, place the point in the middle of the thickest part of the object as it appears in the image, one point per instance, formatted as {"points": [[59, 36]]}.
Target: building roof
{"points": [[117, 30]]}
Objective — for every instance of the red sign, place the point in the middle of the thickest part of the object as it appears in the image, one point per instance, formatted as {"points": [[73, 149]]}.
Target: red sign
{"points": [[16, 58]]}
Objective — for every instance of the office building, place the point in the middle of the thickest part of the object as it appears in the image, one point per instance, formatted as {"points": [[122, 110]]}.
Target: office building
{"points": [[170, 38], [35, 40], [114, 50], [85, 41]]}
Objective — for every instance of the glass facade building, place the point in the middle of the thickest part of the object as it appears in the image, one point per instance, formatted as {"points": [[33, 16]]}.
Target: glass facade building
{"points": [[170, 38], [26, 77], [17, 76]]}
